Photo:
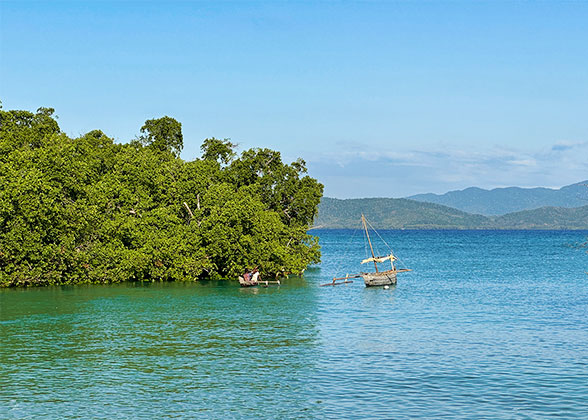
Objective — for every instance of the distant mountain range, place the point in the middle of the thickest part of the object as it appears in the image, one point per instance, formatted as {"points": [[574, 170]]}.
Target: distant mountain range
{"points": [[400, 213], [501, 201]]}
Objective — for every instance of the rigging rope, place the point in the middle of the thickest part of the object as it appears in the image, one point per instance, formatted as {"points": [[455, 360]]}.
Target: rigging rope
{"points": [[383, 240], [355, 230], [374, 229]]}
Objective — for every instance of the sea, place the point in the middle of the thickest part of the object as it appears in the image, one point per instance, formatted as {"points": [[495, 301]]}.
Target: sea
{"points": [[487, 325]]}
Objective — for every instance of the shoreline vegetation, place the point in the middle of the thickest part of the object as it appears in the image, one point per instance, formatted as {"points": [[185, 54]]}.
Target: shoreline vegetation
{"points": [[89, 210]]}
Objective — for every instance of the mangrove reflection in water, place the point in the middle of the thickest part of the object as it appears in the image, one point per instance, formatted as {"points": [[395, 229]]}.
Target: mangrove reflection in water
{"points": [[480, 329], [142, 350]]}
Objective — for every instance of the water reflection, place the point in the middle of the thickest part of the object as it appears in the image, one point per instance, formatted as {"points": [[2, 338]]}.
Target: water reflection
{"points": [[208, 349], [478, 330]]}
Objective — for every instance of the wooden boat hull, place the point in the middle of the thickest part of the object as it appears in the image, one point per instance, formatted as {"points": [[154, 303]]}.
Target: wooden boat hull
{"points": [[383, 278], [249, 284], [252, 283], [245, 283]]}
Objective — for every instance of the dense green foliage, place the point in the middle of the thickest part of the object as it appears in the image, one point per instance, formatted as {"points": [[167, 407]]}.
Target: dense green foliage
{"points": [[87, 210], [400, 213]]}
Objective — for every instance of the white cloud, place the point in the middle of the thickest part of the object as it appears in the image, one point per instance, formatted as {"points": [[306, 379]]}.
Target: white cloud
{"points": [[523, 162], [407, 172]]}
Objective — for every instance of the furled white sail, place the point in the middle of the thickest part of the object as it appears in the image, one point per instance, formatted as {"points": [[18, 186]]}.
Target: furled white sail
{"points": [[379, 259]]}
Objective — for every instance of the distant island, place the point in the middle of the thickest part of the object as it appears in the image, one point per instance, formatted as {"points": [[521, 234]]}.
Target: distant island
{"points": [[401, 213], [501, 201]]}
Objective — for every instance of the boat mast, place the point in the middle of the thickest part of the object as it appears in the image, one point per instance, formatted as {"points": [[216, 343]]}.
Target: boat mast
{"points": [[369, 241]]}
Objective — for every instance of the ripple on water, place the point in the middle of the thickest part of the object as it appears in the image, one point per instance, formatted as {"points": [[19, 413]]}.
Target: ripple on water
{"points": [[480, 329]]}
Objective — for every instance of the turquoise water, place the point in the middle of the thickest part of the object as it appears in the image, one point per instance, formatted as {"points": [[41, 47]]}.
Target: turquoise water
{"points": [[489, 325]]}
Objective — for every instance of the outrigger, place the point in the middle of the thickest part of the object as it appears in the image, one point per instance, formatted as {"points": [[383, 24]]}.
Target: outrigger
{"points": [[377, 278]]}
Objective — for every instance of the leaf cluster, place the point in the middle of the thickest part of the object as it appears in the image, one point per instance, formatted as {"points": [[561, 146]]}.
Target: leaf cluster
{"points": [[88, 210]]}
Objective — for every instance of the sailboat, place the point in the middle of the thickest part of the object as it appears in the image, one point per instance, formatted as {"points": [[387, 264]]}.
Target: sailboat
{"points": [[377, 277]]}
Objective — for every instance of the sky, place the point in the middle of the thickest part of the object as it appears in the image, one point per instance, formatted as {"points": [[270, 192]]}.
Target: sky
{"points": [[381, 99]]}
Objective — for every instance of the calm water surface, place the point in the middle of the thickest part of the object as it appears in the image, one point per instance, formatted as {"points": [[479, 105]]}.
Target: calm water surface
{"points": [[489, 325]]}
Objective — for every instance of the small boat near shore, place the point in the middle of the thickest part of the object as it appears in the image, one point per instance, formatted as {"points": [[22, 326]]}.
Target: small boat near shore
{"points": [[249, 282], [376, 277], [253, 280]]}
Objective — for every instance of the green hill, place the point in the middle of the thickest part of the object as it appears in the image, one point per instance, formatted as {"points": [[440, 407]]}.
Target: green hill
{"points": [[400, 213], [501, 201], [395, 213], [545, 218]]}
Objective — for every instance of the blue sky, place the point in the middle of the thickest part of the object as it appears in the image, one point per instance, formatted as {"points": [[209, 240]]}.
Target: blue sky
{"points": [[380, 98]]}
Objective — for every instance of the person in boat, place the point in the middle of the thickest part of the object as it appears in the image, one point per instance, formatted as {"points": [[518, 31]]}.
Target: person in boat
{"points": [[247, 276]]}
